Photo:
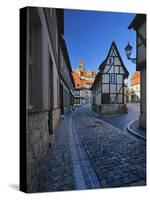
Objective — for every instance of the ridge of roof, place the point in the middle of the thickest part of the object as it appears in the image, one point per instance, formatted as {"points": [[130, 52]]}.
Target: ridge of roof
{"points": [[102, 65]]}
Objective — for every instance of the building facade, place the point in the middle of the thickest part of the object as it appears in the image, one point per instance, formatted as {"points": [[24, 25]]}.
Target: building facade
{"points": [[135, 87], [127, 93], [139, 25], [108, 88], [49, 82], [66, 79], [83, 81]]}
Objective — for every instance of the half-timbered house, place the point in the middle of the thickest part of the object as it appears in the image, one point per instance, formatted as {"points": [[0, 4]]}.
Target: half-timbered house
{"points": [[108, 87]]}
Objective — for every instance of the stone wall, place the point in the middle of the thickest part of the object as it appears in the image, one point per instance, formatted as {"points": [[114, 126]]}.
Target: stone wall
{"points": [[37, 144], [67, 109], [56, 117], [96, 108], [110, 108], [142, 120], [38, 141]]}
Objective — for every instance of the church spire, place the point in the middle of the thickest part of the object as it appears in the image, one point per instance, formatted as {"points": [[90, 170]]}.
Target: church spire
{"points": [[81, 65]]}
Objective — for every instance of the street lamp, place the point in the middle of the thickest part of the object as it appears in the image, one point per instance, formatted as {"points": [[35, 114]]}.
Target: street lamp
{"points": [[128, 50]]}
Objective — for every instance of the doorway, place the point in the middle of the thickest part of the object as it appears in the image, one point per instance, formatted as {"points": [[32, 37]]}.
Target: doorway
{"points": [[50, 113], [61, 99]]}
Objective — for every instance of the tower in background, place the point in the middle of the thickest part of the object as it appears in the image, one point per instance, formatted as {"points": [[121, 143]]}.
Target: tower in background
{"points": [[83, 81]]}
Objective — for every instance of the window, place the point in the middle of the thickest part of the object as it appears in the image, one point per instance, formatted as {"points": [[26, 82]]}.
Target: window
{"points": [[35, 62], [112, 78], [77, 93], [111, 60]]}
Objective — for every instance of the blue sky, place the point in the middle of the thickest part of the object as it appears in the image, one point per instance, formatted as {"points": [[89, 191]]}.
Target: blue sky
{"points": [[89, 34]]}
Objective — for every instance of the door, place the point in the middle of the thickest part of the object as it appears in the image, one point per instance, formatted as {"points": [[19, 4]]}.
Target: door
{"points": [[61, 99], [50, 113]]}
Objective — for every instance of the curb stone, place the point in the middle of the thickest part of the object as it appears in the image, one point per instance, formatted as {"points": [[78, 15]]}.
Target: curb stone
{"points": [[134, 132]]}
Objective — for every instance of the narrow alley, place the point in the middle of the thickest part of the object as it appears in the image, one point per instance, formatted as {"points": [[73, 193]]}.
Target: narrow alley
{"points": [[85, 109], [95, 154]]}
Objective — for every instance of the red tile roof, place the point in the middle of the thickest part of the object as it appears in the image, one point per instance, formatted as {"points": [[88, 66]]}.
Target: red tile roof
{"points": [[135, 78], [83, 77]]}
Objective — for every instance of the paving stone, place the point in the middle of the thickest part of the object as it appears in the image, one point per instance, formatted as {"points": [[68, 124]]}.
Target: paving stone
{"points": [[133, 177], [116, 177], [124, 174], [117, 183], [104, 183], [87, 181], [107, 157], [125, 180], [121, 153], [56, 173]]}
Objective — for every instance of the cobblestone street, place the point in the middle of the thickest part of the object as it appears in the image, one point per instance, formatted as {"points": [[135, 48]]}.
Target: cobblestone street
{"points": [[125, 118], [90, 153]]}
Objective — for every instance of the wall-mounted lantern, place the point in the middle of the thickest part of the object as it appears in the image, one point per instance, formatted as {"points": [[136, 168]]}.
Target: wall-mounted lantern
{"points": [[128, 50]]}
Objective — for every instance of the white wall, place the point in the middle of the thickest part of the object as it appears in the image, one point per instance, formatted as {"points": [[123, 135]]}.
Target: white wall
{"points": [[98, 99]]}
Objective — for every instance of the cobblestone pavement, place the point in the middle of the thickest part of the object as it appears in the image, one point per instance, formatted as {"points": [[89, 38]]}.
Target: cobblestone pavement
{"points": [[125, 118], [118, 159], [89, 153], [135, 129], [56, 172]]}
